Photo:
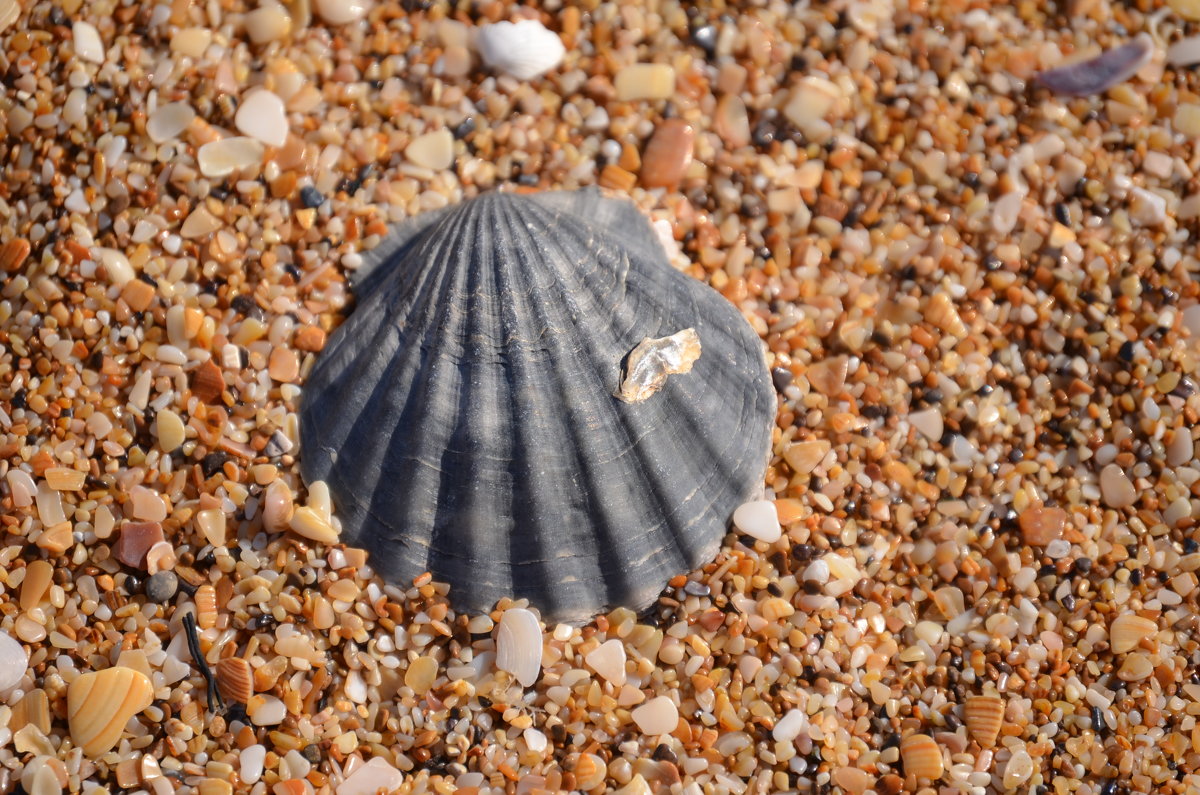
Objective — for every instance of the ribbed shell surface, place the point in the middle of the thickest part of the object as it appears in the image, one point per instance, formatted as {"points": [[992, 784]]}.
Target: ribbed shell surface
{"points": [[464, 418]]}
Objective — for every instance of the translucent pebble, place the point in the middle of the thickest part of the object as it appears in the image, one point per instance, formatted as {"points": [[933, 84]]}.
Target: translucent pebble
{"points": [[928, 422], [608, 660], [1115, 487], [262, 116], [13, 662], [657, 716], [788, 727], [375, 776], [1018, 769], [758, 519], [433, 150], [88, 45], [251, 763], [519, 645], [267, 23], [222, 158], [342, 12], [265, 710], [168, 121]]}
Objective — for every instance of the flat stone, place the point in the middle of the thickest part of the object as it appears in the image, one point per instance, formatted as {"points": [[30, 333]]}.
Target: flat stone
{"points": [[668, 154], [433, 150], [222, 158], [168, 121], [645, 81], [803, 457], [135, 541], [86, 39], [929, 423], [1041, 525], [608, 660], [758, 519], [657, 716], [262, 117], [375, 776], [1116, 488]]}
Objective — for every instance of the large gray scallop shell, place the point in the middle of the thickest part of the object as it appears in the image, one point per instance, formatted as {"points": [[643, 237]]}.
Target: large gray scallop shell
{"points": [[464, 417]]}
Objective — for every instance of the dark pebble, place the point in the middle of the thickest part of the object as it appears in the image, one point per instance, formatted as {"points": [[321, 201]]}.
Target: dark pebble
{"points": [[313, 754], [663, 753], [162, 587], [310, 197], [694, 588], [782, 378]]}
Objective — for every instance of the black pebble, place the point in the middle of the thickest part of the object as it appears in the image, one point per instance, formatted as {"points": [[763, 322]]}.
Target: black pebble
{"points": [[705, 38], [310, 197], [1126, 351], [161, 587], [782, 378], [312, 753]]}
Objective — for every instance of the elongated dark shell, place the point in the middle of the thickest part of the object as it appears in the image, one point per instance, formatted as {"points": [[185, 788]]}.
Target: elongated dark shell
{"points": [[464, 415], [1100, 73]]}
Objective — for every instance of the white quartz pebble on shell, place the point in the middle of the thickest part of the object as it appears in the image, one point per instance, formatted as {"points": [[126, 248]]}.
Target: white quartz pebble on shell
{"points": [[657, 716], [519, 645], [14, 662], [262, 117], [758, 519], [524, 49]]}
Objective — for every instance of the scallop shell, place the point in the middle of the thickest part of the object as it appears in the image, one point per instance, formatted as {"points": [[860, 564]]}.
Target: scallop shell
{"points": [[922, 757], [465, 421], [100, 703], [984, 715]]}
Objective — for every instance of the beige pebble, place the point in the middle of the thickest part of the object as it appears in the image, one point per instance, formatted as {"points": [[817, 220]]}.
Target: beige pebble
{"points": [[170, 430], [433, 150], [284, 365], [309, 523], [191, 42], [269, 22], [731, 121], [657, 716], [1041, 525], [803, 457], [645, 81], [421, 674], [1116, 488]]}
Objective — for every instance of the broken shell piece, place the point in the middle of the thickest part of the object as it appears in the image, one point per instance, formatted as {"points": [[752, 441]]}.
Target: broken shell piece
{"points": [[653, 360], [1127, 631], [922, 757], [519, 645], [523, 49], [235, 679], [1097, 75], [100, 703], [984, 716]]}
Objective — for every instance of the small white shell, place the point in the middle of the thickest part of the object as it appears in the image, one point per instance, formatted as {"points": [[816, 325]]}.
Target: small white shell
{"points": [[523, 49], [519, 645]]}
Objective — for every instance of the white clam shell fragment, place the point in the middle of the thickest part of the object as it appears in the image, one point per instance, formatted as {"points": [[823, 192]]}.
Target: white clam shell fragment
{"points": [[464, 419], [524, 49], [519, 645]]}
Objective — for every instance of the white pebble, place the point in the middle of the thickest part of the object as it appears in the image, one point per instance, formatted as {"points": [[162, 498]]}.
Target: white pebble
{"points": [[929, 422], [433, 150], [266, 23], [266, 710], [168, 121], [758, 519], [262, 116], [342, 12], [1147, 208], [536, 741], [1116, 488], [14, 662], [788, 727], [375, 776], [608, 660], [524, 49], [817, 571], [519, 645], [656, 716], [251, 763], [222, 158], [87, 42]]}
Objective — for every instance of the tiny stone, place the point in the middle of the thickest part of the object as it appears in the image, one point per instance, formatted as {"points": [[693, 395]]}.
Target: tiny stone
{"points": [[310, 197], [657, 716], [1018, 770], [758, 519], [168, 121], [645, 81], [161, 587], [788, 727], [284, 365], [262, 116], [668, 154], [1116, 488], [929, 422], [88, 45], [222, 158], [523, 49], [146, 504], [375, 776], [1041, 525], [342, 12], [170, 430], [421, 674], [267, 23], [250, 763], [14, 662], [433, 150], [608, 660]]}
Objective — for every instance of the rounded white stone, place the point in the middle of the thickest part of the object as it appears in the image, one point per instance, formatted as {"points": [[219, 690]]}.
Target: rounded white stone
{"points": [[342, 12], [262, 116], [758, 519], [88, 45], [657, 716], [608, 660], [519, 645], [14, 662]]}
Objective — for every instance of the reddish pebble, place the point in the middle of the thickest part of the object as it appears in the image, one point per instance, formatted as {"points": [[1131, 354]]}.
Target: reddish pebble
{"points": [[668, 154], [135, 541], [1041, 525]]}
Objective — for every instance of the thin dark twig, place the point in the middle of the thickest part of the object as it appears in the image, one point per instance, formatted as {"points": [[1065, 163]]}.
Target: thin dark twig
{"points": [[193, 642]]}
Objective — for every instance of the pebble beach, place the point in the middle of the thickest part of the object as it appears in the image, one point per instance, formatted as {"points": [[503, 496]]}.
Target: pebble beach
{"points": [[964, 231]]}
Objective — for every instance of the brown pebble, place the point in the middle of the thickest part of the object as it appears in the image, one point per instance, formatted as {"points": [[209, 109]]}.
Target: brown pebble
{"points": [[309, 338], [13, 254], [668, 154], [207, 382], [135, 541], [614, 177], [1041, 525], [57, 539], [138, 295]]}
